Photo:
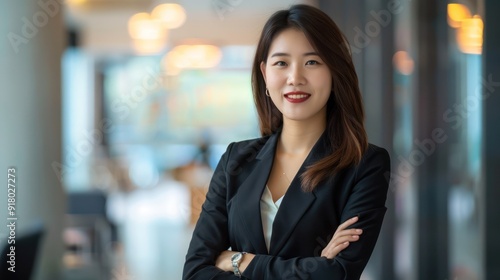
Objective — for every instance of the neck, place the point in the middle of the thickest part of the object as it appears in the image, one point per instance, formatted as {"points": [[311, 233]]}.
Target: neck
{"points": [[298, 138]]}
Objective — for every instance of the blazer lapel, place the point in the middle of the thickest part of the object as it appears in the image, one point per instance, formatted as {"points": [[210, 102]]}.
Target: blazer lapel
{"points": [[250, 192], [295, 203]]}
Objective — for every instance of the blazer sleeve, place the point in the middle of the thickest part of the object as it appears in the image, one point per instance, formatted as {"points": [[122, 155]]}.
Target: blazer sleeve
{"points": [[367, 200], [210, 236]]}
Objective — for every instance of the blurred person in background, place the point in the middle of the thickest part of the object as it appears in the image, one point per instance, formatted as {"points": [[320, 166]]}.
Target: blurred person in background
{"points": [[308, 198], [196, 175]]}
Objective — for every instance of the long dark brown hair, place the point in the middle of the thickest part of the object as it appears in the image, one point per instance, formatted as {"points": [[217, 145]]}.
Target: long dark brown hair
{"points": [[345, 129]]}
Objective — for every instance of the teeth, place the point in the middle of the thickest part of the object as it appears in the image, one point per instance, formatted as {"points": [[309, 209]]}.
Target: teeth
{"points": [[297, 96]]}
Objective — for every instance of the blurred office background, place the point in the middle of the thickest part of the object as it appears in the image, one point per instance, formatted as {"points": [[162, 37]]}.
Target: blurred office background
{"points": [[115, 112]]}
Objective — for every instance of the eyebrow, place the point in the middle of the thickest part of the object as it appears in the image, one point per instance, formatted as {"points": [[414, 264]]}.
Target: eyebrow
{"points": [[286, 54]]}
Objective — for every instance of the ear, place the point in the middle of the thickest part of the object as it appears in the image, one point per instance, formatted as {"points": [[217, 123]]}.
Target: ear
{"points": [[263, 70]]}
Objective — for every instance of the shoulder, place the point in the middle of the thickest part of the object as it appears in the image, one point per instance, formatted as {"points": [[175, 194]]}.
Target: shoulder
{"points": [[242, 155], [251, 143], [243, 151], [375, 154], [246, 149], [375, 160]]}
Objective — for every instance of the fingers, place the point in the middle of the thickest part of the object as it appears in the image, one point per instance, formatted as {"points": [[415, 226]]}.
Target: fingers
{"points": [[345, 238], [342, 238], [344, 225], [331, 251], [351, 231], [347, 223], [338, 244]]}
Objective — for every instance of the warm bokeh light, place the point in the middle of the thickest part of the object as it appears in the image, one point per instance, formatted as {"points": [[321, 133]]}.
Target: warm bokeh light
{"points": [[168, 65], [457, 13], [170, 15], [403, 62], [142, 27], [147, 47], [149, 36], [195, 56], [470, 35], [75, 2]]}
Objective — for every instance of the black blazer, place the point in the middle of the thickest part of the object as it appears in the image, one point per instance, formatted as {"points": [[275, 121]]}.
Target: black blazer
{"points": [[304, 224]]}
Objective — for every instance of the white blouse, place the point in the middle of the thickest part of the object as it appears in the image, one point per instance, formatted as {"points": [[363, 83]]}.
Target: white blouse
{"points": [[268, 210]]}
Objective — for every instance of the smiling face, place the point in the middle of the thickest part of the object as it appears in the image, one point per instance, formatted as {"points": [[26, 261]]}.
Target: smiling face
{"points": [[298, 80]]}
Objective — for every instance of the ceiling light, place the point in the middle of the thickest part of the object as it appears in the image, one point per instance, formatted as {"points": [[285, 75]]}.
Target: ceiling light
{"points": [[470, 35], [170, 15], [457, 13]]}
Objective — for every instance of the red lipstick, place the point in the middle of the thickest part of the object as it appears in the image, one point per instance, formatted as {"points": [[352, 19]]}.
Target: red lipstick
{"points": [[297, 96]]}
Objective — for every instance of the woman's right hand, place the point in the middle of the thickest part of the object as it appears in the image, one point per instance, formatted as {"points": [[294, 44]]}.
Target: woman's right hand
{"points": [[341, 239]]}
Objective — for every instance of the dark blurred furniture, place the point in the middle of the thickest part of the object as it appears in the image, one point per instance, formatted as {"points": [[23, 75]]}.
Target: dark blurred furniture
{"points": [[26, 251], [86, 216]]}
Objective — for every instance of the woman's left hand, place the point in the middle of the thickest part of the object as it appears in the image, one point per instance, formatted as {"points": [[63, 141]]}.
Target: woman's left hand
{"points": [[224, 261], [341, 239]]}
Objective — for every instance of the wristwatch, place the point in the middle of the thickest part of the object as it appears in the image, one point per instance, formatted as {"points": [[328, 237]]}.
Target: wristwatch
{"points": [[235, 261]]}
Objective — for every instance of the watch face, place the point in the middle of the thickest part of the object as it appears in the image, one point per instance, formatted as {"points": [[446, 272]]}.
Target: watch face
{"points": [[236, 257]]}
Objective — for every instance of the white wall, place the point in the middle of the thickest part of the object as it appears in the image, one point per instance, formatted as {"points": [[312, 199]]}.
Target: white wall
{"points": [[30, 122]]}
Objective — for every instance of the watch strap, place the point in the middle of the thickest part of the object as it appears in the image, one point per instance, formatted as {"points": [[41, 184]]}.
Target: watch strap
{"points": [[236, 265]]}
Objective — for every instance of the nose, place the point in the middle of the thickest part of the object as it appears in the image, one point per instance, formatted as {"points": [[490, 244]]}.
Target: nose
{"points": [[296, 76]]}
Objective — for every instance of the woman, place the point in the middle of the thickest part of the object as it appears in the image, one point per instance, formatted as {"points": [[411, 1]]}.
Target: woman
{"points": [[307, 200]]}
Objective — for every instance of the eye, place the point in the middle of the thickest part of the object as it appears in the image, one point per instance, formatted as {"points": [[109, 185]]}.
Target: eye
{"points": [[312, 62], [280, 63]]}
